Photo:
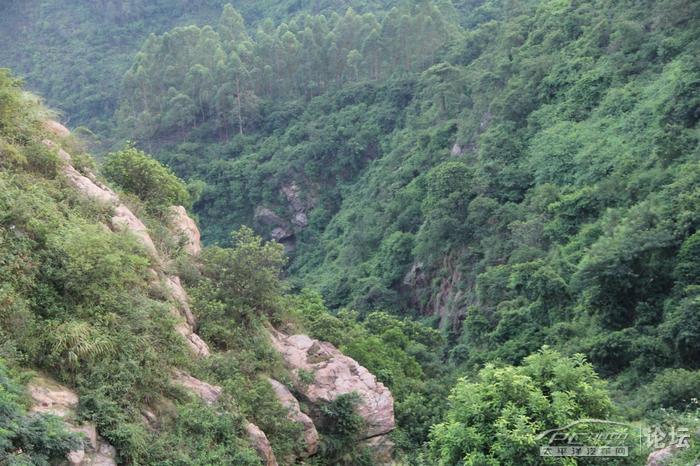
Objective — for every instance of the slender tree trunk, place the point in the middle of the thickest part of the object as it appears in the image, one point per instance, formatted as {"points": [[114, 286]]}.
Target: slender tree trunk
{"points": [[238, 99]]}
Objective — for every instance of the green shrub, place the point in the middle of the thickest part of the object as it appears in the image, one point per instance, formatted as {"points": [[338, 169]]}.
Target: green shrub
{"points": [[673, 388], [137, 173], [246, 276], [341, 428], [29, 439], [495, 418]]}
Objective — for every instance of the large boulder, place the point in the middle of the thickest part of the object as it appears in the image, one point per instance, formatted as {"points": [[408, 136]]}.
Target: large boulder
{"points": [[207, 392], [56, 128], [335, 374], [50, 397], [125, 220], [261, 444], [287, 400], [662, 456], [185, 228]]}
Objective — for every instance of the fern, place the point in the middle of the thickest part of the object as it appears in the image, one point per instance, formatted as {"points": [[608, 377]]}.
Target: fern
{"points": [[76, 341]]}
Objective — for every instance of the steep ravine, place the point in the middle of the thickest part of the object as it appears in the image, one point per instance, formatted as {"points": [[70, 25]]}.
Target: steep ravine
{"points": [[331, 372]]}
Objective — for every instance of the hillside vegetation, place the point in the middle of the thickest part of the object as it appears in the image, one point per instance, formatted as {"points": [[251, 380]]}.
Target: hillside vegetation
{"points": [[74, 53], [91, 299], [490, 205], [528, 179]]}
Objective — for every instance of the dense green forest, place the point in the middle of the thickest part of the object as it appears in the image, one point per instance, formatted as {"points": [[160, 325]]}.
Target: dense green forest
{"points": [[491, 205], [75, 54]]}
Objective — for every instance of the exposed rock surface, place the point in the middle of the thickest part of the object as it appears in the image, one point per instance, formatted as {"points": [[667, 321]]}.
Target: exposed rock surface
{"points": [[63, 155], [281, 228], [179, 296], [285, 228], [207, 392], [298, 206], [382, 448], [181, 309], [661, 457], [267, 216], [336, 374], [90, 188], [292, 192], [300, 220], [295, 414], [56, 128], [50, 397], [210, 394], [456, 149], [194, 341], [124, 219], [103, 456], [184, 227], [261, 444]]}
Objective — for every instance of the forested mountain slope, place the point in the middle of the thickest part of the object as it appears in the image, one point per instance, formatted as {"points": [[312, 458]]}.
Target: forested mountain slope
{"points": [[74, 53], [527, 179], [497, 201], [137, 345]]}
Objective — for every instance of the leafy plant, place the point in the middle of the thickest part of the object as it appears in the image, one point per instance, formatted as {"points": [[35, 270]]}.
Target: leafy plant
{"points": [[137, 173]]}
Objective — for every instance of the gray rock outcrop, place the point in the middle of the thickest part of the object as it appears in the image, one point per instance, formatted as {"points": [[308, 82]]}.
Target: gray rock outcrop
{"points": [[261, 444], [287, 400], [335, 374], [50, 397], [185, 228], [124, 220]]}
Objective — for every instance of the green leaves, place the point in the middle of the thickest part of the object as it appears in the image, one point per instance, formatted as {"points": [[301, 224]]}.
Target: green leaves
{"points": [[74, 342], [137, 173], [31, 439], [247, 274], [495, 418]]}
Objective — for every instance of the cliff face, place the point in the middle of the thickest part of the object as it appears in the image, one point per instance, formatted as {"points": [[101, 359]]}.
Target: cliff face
{"points": [[49, 397], [123, 219], [334, 374]]}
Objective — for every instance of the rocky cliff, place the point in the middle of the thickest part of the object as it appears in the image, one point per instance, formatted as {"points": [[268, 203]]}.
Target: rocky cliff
{"points": [[49, 397], [333, 373]]}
